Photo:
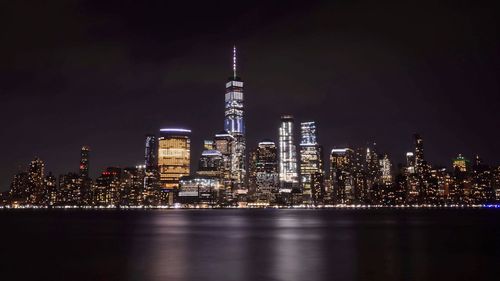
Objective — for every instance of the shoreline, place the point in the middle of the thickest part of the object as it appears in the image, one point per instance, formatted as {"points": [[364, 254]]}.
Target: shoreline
{"points": [[299, 207]]}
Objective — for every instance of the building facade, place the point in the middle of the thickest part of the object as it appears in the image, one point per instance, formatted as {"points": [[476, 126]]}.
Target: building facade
{"points": [[234, 125], [311, 158], [288, 173], [174, 155]]}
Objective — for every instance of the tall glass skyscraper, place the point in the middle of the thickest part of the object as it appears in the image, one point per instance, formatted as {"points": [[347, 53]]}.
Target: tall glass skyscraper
{"points": [[151, 176], [288, 156], [311, 157], [266, 168], [151, 152], [235, 126]]}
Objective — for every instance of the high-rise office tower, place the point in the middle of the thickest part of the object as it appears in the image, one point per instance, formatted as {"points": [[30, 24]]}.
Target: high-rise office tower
{"points": [[266, 169], [151, 177], [132, 183], [36, 176], [85, 181], [410, 162], [151, 152], [174, 150], [36, 171], [50, 185], [481, 189], [422, 172], [318, 188], [70, 189], [461, 164], [211, 164], [235, 126], [419, 154], [341, 167], [84, 162], [224, 143], [287, 156], [311, 157], [386, 169]]}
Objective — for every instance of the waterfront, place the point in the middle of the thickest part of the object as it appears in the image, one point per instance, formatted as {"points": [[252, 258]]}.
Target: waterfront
{"points": [[243, 244]]}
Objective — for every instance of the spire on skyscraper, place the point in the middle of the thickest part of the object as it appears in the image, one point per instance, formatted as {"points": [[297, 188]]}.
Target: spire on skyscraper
{"points": [[234, 61]]}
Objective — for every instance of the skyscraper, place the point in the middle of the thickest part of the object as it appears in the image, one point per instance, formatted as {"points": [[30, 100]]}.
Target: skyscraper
{"points": [[266, 170], [419, 153], [410, 162], [151, 177], [385, 169], [224, 143], [173, 156], [341, 166], [211, 164], [85, 181], [84, 162], [311, 157], [235, 126], [36, 174], [151, 152], [287, 156]]}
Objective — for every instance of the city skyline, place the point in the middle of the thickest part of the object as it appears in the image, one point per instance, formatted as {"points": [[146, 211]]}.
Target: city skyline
{"points": [[356, 95], [227, 175], [249, 140]]}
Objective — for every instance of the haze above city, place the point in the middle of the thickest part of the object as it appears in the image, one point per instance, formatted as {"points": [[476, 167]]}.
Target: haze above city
{"points": [[79, 73]]}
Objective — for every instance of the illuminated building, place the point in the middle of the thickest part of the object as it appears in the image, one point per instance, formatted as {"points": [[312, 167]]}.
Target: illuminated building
{"points": [[107, 188], [208, 145], [235, 126], [410, 162], [419, 154], [388, 192], [418, 177], [151, 152], [481, 189], [386, 169], [132, 183], [318, 188], [151, 176], [84, 162], [69, 191], [174, 149], [287, 156], [19, 192], [341, 175], [266, 170], [86, 182], [358, 172], [198, 190], [461, 164], [224, 143], [311, 157], [460, 187], [50, 185], [211, 164], [495, 184], [35, 184], [439, 183], [370, 176]]}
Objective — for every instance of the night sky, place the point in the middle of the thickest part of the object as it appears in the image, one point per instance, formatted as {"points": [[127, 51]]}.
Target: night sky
{"points": [[106, 73]]}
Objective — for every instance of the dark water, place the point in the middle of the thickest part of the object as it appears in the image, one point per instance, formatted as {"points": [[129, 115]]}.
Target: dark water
{"points": [[250, 245]]}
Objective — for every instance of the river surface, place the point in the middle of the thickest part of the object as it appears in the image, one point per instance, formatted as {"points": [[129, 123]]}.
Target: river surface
{"points": [[239, 244]]}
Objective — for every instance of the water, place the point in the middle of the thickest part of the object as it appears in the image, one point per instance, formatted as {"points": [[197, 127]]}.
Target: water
{"points": [[250, 245]]}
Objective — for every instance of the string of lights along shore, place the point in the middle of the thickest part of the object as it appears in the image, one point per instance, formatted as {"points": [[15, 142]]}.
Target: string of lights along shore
{"points": [[289, 173]]}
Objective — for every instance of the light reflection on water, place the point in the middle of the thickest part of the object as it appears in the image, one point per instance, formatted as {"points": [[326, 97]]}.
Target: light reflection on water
{"points": [[283, 245]]}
